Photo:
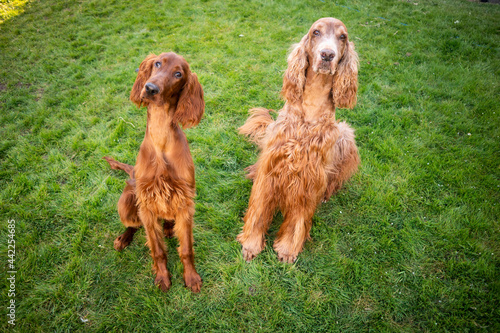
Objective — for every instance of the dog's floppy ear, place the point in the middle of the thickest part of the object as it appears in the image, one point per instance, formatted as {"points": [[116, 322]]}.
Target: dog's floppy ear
{"points": [[191, 104], [345, 79], [295, 74], [143, 75]]}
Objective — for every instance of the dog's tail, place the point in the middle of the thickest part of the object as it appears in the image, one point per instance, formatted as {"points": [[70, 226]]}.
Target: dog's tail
{"points": [[120, 166], [256, 125]]}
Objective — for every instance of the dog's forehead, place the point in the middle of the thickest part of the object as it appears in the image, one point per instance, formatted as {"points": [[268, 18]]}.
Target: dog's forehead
{"points": [[172, 58], [329, 24]]}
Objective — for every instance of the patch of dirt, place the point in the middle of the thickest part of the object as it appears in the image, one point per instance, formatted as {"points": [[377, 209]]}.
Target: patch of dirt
{"points": [[39, 94], [23, 85]]}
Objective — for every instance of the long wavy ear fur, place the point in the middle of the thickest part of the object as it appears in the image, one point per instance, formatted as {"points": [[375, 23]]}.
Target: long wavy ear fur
{"points": [[143, 75], [295, 74], [191, 104], [345, 79]]}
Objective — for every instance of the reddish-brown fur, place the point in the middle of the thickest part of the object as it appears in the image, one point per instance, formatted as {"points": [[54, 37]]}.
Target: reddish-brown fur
{"points": [[162, 184], [306, 154]]}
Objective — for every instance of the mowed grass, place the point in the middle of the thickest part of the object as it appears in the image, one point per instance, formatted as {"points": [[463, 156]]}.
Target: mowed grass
{"points": [[410, 244]]}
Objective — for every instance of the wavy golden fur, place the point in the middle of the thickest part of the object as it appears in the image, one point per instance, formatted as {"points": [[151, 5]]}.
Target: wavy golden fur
{"points": [[306, 155], [160, 192]]}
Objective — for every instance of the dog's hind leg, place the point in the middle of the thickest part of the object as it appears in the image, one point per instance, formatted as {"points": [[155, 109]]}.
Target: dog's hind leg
{"points": [[127, 209], [125, 239], [168, 228]]}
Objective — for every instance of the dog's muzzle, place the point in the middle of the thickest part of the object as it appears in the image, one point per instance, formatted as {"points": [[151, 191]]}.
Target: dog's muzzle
{"points": [[327, 55], [151, 89]]}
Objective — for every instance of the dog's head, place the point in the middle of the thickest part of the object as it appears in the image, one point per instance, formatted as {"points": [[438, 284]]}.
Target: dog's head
{"points": [[325, 49], [328, 42], [167, 79]]}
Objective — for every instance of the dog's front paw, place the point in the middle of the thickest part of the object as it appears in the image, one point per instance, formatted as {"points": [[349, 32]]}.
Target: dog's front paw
{"points": [[250, 246], [248, 255], [163, 282], [285, 250], [287, 258], [193, 282]]}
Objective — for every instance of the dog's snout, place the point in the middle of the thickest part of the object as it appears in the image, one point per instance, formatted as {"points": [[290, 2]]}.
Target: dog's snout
{"points": [[152, 89], [327, 54]]}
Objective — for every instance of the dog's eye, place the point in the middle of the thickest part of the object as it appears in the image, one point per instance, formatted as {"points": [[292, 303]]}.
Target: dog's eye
{"points": [[342, 37], [316, 33], [178, 75], [157, 64]]}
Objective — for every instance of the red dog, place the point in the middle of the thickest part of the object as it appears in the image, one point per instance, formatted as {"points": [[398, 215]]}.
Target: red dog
{"points": [[162, 184], [306, 154]]}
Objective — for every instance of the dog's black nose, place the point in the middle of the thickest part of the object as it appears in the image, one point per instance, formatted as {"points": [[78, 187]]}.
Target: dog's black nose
{"points": [[152, 89], [327, 54]]}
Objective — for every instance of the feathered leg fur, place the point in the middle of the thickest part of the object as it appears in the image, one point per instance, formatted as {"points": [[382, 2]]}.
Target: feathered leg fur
{"points": [[346, 160], [257, 219]]}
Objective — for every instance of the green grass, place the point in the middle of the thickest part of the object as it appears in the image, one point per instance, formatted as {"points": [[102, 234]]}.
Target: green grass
{"points": [[11, 8], [412, 243]]}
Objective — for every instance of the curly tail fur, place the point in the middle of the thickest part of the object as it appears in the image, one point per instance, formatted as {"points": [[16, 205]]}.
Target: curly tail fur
{"points": [[256, 125], [120, 166]]}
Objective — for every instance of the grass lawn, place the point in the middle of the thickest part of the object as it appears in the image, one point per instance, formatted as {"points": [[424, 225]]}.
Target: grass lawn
{"points": [[412, 242]]}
